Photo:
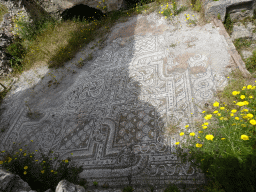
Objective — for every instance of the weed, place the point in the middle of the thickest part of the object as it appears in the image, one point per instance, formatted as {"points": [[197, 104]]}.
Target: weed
{"points": [[251, 62], [128, 189], [219, 16], [228, 24], [95, 183]]}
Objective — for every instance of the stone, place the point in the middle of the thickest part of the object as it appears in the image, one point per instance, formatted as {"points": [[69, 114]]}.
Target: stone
{"points": [[241, 32], [246, 54], [55, 8], [234, 8], [64, 185], [10, 182]]}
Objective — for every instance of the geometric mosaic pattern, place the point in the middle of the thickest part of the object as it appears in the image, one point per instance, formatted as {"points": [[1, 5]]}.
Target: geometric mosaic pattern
{"points": [[115, 115]]}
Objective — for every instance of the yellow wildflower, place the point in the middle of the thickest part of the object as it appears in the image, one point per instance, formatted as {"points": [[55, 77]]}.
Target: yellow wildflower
{"points": [[216, 104], [209, 137], [207, 117], [182, 133], [249, 115], [192, 134], [253, 122], [240, 104], [234, 111], [242, 96], [235, 93], [222, 108], [177, 143], [26, 167], [237, 118], [198, 145], [244, 137]]}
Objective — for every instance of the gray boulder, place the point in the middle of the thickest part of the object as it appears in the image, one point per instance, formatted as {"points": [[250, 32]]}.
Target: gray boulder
{"points": [[238, 9]]}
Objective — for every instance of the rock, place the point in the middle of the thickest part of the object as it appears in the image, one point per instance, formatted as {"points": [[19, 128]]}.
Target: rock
{"points": [[241, 32], [13, 183], [68, 187], [246, 54], [54, 8], [234, 8]]}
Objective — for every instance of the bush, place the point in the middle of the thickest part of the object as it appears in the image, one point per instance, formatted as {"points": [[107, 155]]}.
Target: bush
{"points": [[17, 51], [41, 175]]}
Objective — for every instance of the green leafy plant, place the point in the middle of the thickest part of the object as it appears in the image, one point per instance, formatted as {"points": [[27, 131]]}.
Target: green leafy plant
{"points": [[128, 189], [40, 174], [95, 183], [219, 16], [17, 51], [228, 24], [225, 148], [197, 5], [251, 62]]}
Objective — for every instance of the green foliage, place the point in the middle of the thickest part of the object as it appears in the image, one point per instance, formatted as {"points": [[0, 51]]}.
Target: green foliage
{"points": [[225, 151], [95, 183], [128, 189], [17, 51], [41, 175], [251, 62], [228, 24], [219, 16], [197, 5]]}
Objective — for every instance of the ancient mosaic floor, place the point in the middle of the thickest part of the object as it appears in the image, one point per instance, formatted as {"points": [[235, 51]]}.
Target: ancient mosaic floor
{"points": [[114, 117]]}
